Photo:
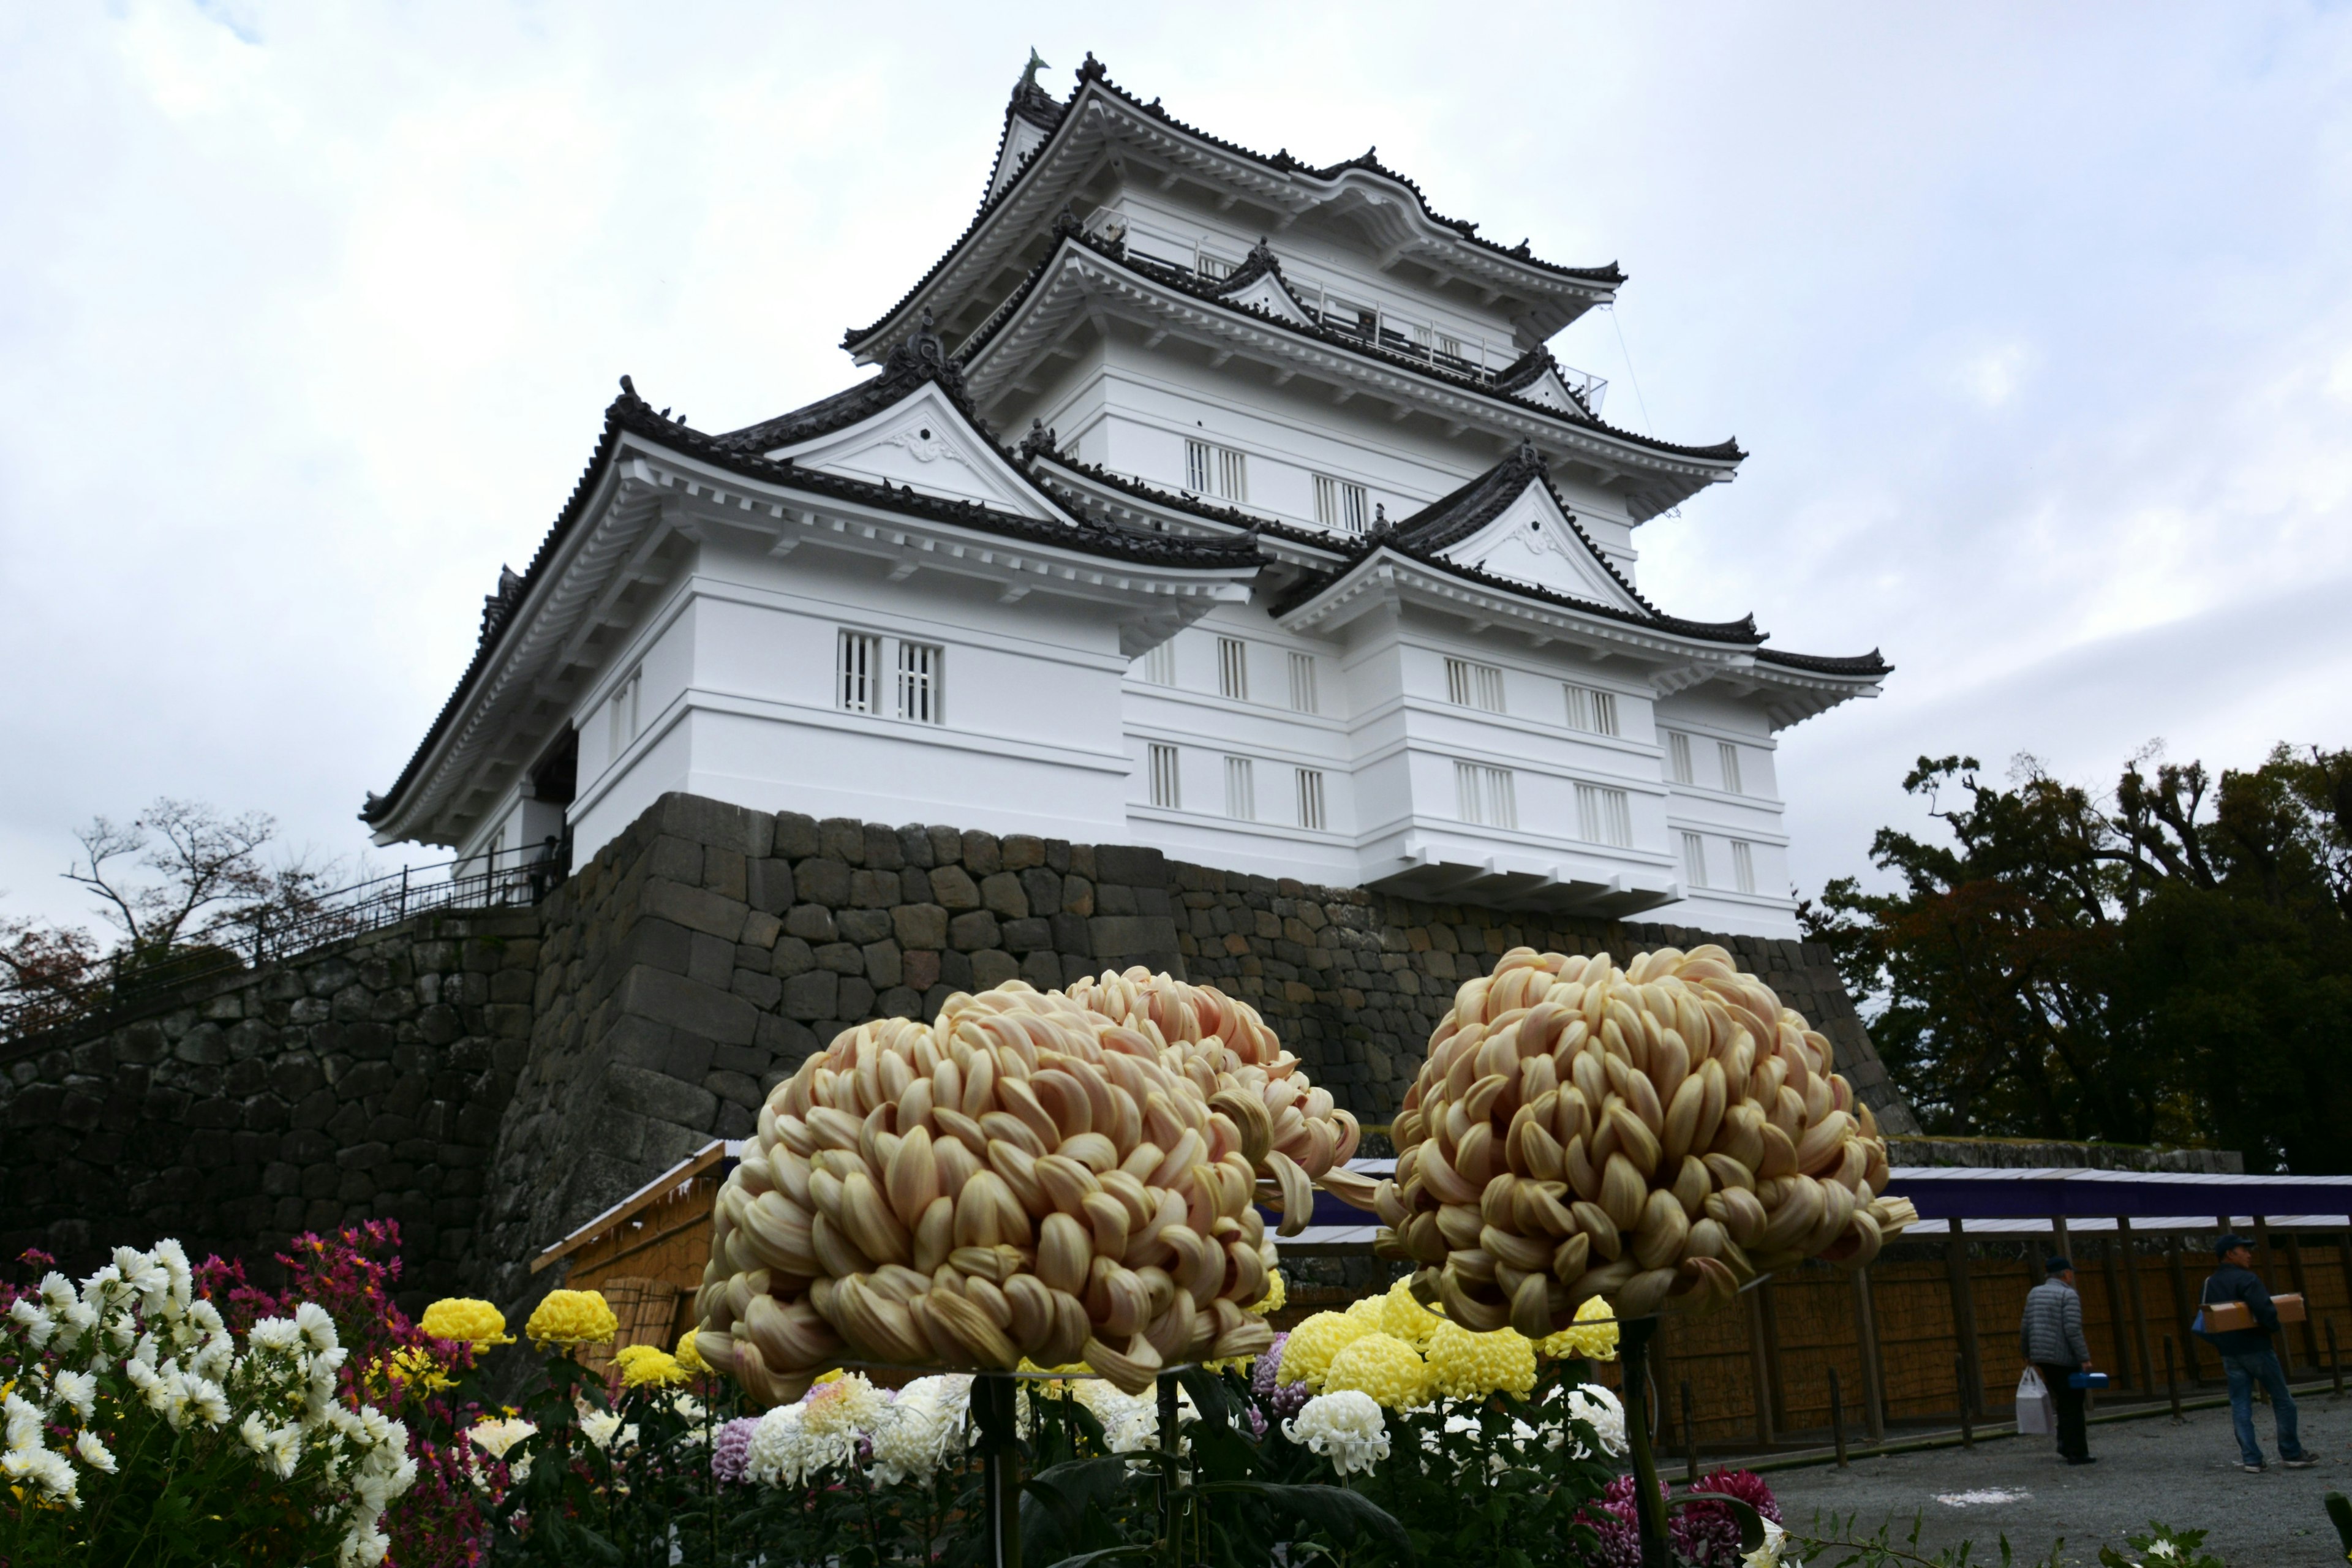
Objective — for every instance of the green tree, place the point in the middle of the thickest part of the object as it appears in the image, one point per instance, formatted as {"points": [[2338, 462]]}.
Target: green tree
{"points": [[2171, 964]]}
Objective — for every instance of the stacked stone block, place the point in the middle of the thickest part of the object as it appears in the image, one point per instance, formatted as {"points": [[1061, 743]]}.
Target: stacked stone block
{"points": [[364, 1080]]}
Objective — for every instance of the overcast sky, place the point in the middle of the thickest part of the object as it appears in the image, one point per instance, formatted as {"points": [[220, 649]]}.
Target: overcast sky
{"points": [[2037, 320]]}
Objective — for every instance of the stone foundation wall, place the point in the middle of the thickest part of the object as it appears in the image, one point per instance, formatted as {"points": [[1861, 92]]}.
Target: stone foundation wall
{"points": [[361, 1081], [494, 1081]]}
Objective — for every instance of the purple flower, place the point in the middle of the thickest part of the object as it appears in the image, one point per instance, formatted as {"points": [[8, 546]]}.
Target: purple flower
{"points": [[1704, 1533], [1281, 1401], [730, 1455]]}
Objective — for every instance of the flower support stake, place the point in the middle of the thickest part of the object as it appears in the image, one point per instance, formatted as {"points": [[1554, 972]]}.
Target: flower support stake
{"points": [[994, 1406], [1633, 1336]]}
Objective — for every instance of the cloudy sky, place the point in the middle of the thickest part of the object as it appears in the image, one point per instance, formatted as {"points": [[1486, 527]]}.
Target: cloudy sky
{"points": [[2038, 321]]}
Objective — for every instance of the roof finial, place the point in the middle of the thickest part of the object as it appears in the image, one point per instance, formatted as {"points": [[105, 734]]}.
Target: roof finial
{"points": [[1380, 519], [1039, 441], [628, 387], [1527, 456], [1029, 73]]}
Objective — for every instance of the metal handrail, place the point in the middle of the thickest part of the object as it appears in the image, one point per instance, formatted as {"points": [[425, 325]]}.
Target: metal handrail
{"points": [[247, 938]]}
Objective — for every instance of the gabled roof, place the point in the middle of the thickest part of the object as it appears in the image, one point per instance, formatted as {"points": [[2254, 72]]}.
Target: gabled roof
{"points": [[1281, 178], [632, 424], [1710, 462]]}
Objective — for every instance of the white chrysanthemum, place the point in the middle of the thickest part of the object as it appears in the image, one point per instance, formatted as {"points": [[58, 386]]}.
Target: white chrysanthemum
{"points": [[1593, 1403], [602, 1427], [495, 1437], [1769, 1554], [316, 1325], [1345, 1427], [919, 1430], [56, 1291], [77, 1391], [274, 1334], [255, 1431], [45, 1468], [94, 1452], [24, 1422], [206, 1315], [207, 1401], [779, 1453]]}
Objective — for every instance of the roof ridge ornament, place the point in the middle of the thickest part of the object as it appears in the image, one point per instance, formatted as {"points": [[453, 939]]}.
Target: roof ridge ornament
{"points": [[1039, 442], [924, 357], [1065, 222], [1094, 69], [1029, 73], [497, 606]]}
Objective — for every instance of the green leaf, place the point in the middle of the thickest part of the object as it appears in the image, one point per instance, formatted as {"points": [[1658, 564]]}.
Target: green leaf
{"points": [[1104, 1555], [1751, 1523], [1336, 1508]]}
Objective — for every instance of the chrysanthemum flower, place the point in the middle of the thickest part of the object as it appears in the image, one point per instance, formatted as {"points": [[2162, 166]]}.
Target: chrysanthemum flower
{"points": [[1277, 1291], [1471, 1366], [1345, 1428], [1313, 1343], [1383, 1366], [476, 1323], [1405, 1318], [644, 1364], [571, 1318], [1593, 1334]]}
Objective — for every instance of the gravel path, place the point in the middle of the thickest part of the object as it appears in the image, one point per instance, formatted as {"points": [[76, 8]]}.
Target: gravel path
{"points": [[2187, 1475]]}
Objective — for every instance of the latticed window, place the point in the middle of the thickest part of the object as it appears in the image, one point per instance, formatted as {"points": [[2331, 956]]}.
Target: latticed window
{"points": [[1590, 710], [1340, 504], [1241, 789], [1678, 757], [857, 686], [1743, 866], [1302, 683], [622, 712], [1695, 859], [1160, 664], [1212, 470], [1311, 798], [918, 682], [1233, 669], [1485, 795], [1730, 754], [1474, 684], [1604, 816], [1165, 791]]}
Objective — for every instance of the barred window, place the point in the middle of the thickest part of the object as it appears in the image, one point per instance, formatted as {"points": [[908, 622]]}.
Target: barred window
{"points": [[1604, 816], [1219, 471], [1164, 790], [1474, 684], [1730, 754], [1591, 710], [1233, 669], [1695, 859], [1485, 795], [1678, 757], [1241, 789], [858, 686], [918, 682], [1340, 504], [1160, 664], [1743, 866], [622, 712], [1302, 683], [1311, 798]]}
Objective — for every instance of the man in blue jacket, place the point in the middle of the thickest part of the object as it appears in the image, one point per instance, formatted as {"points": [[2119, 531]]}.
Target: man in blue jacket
{"points": [[2247, 1356]]}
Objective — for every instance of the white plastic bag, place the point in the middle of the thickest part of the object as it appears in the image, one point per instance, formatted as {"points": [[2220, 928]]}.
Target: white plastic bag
{"points": [[2035, 1418]]}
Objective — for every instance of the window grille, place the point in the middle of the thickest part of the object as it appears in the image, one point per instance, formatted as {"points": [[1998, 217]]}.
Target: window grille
{"points": [[1160, 664], [1233, 669], [1241, 789], [1743, 866], [1164, 790], [1604, 816], [1340, 504], [1485, 795], [624, 711], [1311, 798], [1302, 683], [1678, 757], [1695, 859], [1474, 684], [1448, 346], [1215, 266], [1592, 710], [1219, 471], [856, 689], [918, 682], [1730, 755]]}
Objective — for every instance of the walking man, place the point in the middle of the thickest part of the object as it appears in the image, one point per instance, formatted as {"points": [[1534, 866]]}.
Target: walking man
{"points": [[2051, 1335], [2247, 1356]]}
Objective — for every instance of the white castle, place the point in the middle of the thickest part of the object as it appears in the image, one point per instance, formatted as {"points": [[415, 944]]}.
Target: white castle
{"points": [[1205, 500]]}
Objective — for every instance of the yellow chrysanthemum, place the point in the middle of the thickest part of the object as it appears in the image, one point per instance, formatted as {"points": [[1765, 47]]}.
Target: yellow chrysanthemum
{"points": [[1403, 1318], [1277, 1291], [571, 1318], [1464, 1365], [642, 1365], [689, 1355], [1383, 1366], [462, 1318], [412, 1367], [1593, 1334], [1367, 1311], [1307, 1356]]}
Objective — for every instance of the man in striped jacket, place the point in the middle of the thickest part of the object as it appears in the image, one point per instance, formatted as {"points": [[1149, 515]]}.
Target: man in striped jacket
{"points": [[2051, 1335]]}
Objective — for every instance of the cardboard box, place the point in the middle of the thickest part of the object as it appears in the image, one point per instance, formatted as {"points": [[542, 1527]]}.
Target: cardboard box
{"points": [[2226, 1316]]}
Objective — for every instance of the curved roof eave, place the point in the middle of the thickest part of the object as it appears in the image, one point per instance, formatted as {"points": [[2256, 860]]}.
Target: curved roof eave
{"points": [[1709, 463], [1487, 257]]}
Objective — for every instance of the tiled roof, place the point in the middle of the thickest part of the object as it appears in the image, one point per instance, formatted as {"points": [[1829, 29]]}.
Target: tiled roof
{"points": [[1177, 501], [630, 415], [1216, 293], [1037, 108], [1822, 664]]}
